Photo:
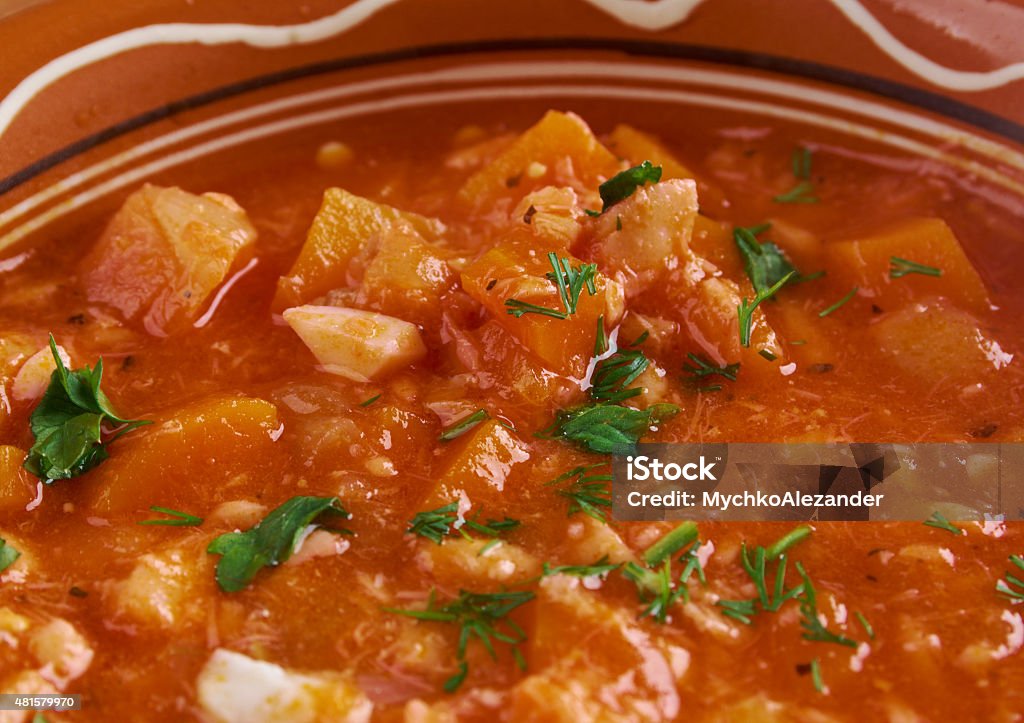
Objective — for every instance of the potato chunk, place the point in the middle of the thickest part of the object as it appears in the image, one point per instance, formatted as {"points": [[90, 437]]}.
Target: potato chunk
{"points": [[358, 345], [865, 261], [344, 227], [644, 236], [933, 335], [236, 688], [162, 255]]}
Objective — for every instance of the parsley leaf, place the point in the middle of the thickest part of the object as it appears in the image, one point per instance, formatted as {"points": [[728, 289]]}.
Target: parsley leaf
{"points": [[607, 428], [623, 185], [67, 423], [270, 542], [764, 263], [483, 616], [7, 555]]}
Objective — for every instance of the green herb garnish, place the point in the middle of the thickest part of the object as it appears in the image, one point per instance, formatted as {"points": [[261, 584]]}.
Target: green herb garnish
{"points": [[435, 525], [702, 368], [7, 555], [461, 426], [587, 493], [1002, 587], [654, 582], [483, 616], [623, 185], [767, 355], [814, 630], [899, 268], [179, 519], [819, 684], [755, 567], [613, 375], [745, 310], [67, 423], [800, 162], [369, 401], [866, 625], [939, 521], [270, 542], [597, 569], [569, 280], [606, 428], [764, 263], [849, 295]]}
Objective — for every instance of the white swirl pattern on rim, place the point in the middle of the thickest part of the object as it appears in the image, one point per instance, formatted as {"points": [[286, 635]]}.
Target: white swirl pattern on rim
{"points": [[653, 15]]}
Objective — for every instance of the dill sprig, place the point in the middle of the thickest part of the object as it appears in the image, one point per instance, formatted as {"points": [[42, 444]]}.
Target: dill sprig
{"points": [[588, 493], [569, 281], [814, 629], [939, 521], [435, 524], [899, 268], [597, 569], [461, 426], [842, 302], [483, 616], [745, 309], [702, 368], [1003, 587], [178, 519], [654, 583]]}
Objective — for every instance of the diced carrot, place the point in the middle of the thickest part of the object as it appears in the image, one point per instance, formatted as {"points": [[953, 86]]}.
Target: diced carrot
{"points": [[186, 459], [163, 254], [865, 262], [636, 147], [559, 150], [407, 277], [17, 486], [795, 323], [713, 241], [344, 227], [516, 269], [481, 463]]}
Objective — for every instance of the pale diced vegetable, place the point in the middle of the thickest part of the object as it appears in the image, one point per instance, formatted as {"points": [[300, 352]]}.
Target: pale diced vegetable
{"points": [[234, 688], [933, 339], [64, 652], [163, 254], [165, 590], [640, 239], [34, 376], [358, 345]]}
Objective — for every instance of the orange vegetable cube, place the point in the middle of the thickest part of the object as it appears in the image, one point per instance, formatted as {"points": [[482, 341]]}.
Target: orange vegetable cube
{"points": [[515, 269], [345, 227], [163, 254], [865, 262], [188, 458], [407, 278], [482, 462], [17, 486], [559, 150]]}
